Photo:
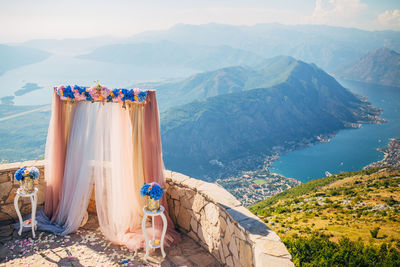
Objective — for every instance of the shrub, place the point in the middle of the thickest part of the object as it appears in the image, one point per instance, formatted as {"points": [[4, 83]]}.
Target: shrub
{"points": [[320, 251], [391, 201], [374, 232]]}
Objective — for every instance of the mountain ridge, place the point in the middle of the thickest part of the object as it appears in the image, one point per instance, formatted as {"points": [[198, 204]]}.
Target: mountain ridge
{"points": [[328, 46], [167, 53], [381, 66], [241, 128]]}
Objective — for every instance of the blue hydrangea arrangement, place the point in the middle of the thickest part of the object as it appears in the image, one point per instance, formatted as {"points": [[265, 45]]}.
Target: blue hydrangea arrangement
{"points": [[153, 190], [31, 172]]}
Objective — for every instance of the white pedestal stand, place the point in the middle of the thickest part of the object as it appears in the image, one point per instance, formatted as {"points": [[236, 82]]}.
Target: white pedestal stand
{"points": [[33, 197], [151, 243]]}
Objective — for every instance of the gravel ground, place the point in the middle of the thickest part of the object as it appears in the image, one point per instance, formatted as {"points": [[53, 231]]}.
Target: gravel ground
{"points": [[87, 247]]}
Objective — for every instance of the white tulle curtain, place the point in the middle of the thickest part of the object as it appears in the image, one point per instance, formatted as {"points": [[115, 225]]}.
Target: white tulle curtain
{"points": [[104, 149]]}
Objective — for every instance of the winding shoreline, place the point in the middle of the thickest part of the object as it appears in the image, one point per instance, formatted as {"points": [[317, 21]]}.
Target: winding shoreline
{"points": [[391, 156]]}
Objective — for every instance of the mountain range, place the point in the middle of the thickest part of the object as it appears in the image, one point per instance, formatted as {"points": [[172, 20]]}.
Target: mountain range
{"points": [[282, 104], [198, 57], [381, 66], [328, 47], [16, 56]]}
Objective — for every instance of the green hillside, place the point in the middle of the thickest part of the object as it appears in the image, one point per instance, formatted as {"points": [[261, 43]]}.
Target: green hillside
{"points": [[227, 80], [348, 219], [240, 129]]}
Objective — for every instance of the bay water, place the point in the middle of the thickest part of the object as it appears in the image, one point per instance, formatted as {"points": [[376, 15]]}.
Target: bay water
{"points": [[350, 149]]}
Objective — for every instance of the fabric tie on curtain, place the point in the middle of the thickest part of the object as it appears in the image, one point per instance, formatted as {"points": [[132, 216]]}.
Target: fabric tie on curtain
{"points": [[113, 149]]}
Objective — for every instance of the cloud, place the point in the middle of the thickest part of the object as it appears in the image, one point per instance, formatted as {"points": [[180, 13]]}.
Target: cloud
{"points": [[337, 12], [390, 19]]}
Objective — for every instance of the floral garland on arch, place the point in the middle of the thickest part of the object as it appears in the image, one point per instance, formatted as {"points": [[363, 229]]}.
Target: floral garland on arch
{"points": [[100, 93]]}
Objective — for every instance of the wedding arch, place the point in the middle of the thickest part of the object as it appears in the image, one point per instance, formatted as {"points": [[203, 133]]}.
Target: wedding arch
{"points": [[108, 140]]}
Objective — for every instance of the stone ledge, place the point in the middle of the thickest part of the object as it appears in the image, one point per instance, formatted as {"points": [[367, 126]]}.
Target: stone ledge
{"points": [[16, 165], [213, 217]]}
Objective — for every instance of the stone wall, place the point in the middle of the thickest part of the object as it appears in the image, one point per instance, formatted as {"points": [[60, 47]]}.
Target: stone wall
{"points": [[214, 218], [204, 211], [9, 186]]}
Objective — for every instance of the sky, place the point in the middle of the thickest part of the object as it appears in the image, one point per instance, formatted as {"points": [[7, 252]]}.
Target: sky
{"points": [[22, 20]]}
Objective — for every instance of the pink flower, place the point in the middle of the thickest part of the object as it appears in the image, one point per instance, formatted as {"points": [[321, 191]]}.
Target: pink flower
{"points": [[136, 91], [78, 96], [105, 92], [93, 92]]}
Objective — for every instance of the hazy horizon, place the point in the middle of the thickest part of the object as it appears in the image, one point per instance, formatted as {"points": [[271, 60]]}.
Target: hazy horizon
{"points": [[160, 30], [45, 19]]}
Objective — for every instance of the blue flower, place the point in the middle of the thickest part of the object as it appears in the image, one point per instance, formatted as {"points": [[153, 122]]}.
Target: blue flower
{"points": [[156, 192], [115, 92], [128, 95], [81, 90], [19, 174], [33, 172], [88, 96], [144, 190], [142, 96], [68, 92]]}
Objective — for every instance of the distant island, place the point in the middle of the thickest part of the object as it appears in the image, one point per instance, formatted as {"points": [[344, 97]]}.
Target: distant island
{"points": [[7, 100], [28, 87], [381, 66]]}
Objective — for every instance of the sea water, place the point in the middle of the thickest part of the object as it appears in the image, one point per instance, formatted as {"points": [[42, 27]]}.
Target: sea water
{"points": [[350, 149], [64, 69]]}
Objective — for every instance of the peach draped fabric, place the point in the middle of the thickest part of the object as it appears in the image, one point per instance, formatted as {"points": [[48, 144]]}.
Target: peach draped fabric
{"points": [[113, 149], [56, 144]]}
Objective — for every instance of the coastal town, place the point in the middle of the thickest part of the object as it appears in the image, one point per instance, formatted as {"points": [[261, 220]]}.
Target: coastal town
{"points": [[253, 186], [391, 158]]}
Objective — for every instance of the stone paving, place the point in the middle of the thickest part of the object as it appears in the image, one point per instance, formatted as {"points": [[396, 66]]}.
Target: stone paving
{"points": [[87, 247]]}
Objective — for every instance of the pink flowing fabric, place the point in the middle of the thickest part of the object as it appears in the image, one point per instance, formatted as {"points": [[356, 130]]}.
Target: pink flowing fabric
{"points": [[56, 144], [153, 162]]}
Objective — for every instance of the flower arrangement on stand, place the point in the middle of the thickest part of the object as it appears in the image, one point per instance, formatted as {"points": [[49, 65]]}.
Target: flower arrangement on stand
{"points": [[152, 193], [26, 177]]}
